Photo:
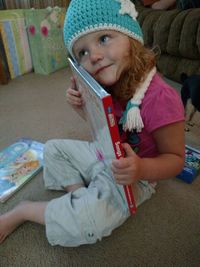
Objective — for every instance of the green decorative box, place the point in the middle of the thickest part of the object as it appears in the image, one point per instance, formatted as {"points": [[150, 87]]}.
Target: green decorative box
{"points": [[15, 42], [45, 32]]}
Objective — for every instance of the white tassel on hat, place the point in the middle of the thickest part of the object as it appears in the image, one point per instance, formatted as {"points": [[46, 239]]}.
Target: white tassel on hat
{"points": [[131, 118]]}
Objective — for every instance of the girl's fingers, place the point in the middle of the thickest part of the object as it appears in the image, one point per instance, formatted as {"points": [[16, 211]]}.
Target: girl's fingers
{"points": [[74, 100], [74, 97], [72, 92], [123, 179], [120, 167], [73, 83]]}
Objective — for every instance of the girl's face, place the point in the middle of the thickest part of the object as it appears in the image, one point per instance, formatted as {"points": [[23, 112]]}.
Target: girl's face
{"points": [[104, 54]]}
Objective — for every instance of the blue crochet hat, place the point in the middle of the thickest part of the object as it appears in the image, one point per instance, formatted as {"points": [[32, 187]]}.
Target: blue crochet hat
{"points": [[85, 16]]}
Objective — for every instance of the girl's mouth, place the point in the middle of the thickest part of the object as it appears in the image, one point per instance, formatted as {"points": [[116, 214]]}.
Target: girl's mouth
{"points": [[101, 69]]}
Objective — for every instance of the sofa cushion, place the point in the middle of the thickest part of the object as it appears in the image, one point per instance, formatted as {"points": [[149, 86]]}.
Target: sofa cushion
{"points": [[177, 35]]}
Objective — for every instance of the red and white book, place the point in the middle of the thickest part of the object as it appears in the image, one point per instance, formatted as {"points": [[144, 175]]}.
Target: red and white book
{"points": [[100, 114]]}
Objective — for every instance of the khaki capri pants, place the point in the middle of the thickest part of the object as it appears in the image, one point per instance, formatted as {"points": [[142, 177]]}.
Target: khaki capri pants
{"points": [[92, 211]]}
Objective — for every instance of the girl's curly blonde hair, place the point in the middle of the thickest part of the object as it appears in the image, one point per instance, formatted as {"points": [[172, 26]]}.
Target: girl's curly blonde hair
{"points": [[142, 60]]}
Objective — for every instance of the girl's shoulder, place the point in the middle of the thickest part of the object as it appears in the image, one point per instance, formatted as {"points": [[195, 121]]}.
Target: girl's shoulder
{"points": [[161, 90], [161, 105]]}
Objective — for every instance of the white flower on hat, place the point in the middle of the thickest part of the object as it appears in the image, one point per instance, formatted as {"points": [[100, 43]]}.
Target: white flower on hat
{"points": [[127, 7]]}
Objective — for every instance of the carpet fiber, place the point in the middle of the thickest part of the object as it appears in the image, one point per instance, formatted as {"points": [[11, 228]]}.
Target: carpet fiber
{"points": [[165, 230]]}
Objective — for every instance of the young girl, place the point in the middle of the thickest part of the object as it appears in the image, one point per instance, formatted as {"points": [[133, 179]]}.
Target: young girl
{"points": [[105, 38]]}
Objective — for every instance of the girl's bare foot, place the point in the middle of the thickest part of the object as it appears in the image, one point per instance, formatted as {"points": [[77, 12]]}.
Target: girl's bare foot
{"points": [[11, 220], [25, 211]]}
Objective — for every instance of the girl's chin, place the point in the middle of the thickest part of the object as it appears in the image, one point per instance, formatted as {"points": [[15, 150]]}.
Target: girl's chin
{"points": [[106, 83]]}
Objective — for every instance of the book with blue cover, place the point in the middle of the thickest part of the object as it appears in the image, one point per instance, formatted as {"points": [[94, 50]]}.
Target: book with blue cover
{"points": [[19, 162], [192, 165]]}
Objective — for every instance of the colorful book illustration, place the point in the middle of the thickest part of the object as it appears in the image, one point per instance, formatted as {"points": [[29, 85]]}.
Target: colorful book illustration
{"points": [[192, 165], [19, 162], [100, 114]]}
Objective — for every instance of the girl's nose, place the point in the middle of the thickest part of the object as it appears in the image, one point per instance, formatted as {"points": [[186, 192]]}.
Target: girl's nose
{"points": [[96, 55]]}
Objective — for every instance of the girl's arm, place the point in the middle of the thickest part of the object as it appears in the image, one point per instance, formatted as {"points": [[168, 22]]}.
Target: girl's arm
{"points": [[170, 142]]}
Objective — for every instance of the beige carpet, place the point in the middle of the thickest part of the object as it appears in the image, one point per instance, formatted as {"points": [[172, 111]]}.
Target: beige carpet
{"points": [[164, 232]]}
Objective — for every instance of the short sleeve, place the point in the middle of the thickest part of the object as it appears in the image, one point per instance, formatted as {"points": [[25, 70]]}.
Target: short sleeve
{"points": [[161, 105]]}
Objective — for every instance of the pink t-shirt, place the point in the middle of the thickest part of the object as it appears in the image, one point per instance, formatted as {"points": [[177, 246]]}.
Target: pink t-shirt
{"points": [[160, 106]]}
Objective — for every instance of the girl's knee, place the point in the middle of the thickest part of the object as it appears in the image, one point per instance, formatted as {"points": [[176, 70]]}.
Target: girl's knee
{"points": [[107, 217], [50, 148]]}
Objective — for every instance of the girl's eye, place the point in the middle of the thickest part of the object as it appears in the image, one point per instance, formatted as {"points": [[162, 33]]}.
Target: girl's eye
{"points": [[82, 53], [104, 38]]}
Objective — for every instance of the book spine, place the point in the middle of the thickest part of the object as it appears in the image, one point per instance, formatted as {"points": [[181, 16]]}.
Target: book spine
{"points": [[119, 152], [192, 149]]}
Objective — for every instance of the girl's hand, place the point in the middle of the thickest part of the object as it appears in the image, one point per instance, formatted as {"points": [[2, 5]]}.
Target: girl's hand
{"points": [[73, 95], [127, 170]]}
